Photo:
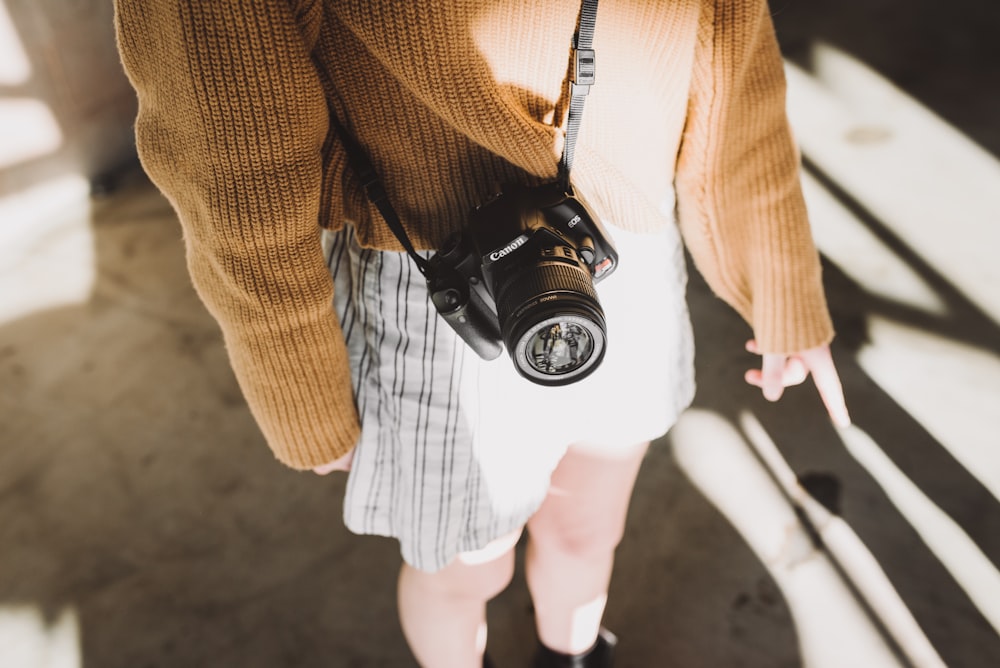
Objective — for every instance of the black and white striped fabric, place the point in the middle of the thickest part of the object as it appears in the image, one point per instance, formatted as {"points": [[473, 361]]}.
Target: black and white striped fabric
{"points": [[456, 451]]}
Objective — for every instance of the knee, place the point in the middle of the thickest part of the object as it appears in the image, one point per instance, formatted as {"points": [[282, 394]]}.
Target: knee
{"points": [[577, 540]]}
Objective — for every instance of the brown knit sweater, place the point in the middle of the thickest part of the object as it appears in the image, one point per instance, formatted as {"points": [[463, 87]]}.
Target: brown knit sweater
{"points": [[451, 98]]}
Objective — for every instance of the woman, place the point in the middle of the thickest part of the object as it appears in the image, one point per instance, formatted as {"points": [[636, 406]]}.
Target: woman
{"points": [[684, 134]]}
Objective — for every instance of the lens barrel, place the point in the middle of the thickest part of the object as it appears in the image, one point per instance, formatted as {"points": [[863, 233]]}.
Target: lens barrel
{"points": [[552, 322]]}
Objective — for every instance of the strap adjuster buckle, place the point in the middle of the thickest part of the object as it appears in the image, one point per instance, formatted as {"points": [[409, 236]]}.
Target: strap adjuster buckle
{"points": [[372, 185], [584, 70]]}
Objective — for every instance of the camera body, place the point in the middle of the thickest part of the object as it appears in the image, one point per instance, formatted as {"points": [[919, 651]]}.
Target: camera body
{"points": [[522, 274]]}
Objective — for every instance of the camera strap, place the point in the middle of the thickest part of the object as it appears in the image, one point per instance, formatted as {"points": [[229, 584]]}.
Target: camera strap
{"points": [[581, 78], [365, 170]]}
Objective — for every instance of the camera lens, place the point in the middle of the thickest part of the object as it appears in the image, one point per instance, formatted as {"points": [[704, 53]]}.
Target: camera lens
{"points": [[552, 323], [559, 345]]}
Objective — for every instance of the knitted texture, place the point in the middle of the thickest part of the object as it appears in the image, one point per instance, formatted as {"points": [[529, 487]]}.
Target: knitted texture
{"points": [[452, 99]]}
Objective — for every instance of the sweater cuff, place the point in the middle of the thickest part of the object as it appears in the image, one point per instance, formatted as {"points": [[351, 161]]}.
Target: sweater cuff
{"points": [[297, 385], [788, 310]]}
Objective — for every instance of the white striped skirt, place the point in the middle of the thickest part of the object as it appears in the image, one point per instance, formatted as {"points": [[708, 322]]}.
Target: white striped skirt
{"points": [[456, 451]]}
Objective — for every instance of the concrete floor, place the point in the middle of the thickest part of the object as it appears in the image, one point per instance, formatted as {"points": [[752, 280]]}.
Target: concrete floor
{"points": [[143, 522]]}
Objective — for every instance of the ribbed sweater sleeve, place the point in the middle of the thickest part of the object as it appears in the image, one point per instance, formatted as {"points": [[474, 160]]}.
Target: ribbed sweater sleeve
{"points": [[739, 197], [231, 124]]}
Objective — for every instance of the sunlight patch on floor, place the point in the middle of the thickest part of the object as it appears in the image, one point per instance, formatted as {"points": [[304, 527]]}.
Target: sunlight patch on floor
{"points": [[860, 254], [28, 130], [47, 255], [973, 571], [30, 639], [14, 66], [950, 388], [931, 185], [938, 194], [833, 629]]}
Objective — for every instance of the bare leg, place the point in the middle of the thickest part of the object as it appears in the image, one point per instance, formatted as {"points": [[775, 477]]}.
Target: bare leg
{"points": [[443, 614], [573, 537]]}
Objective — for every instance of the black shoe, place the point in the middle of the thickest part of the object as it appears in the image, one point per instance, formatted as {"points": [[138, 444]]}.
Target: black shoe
{"points": [[486, 661], [601, 655]]}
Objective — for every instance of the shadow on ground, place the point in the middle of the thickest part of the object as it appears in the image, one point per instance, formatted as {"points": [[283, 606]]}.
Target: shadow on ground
{"points": [[136, 491]]}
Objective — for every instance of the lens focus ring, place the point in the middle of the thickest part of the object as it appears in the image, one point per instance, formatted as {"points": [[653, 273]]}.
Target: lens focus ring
{"points": [[542, 280]]}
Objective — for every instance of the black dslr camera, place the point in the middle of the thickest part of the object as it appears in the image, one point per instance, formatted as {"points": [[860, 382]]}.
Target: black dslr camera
{"points": [[522, 274]]}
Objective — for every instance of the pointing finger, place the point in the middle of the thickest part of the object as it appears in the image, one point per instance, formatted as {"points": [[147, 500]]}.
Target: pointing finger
{"points": [[772, 370], [828, 384]]}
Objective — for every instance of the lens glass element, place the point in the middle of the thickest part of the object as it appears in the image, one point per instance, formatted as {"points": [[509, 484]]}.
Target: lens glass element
{"points": [[559, 347]]}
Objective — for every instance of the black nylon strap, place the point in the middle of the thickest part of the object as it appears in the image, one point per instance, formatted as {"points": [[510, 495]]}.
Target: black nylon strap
{"points": [[582, 71], [365, 170]]}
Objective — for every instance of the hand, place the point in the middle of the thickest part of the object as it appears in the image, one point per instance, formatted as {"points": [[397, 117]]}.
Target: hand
{"points": [[343, 463], [779, 371]]}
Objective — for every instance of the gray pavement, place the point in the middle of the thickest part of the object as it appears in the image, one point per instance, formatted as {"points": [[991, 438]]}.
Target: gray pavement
{"points": [[144, 523]]}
